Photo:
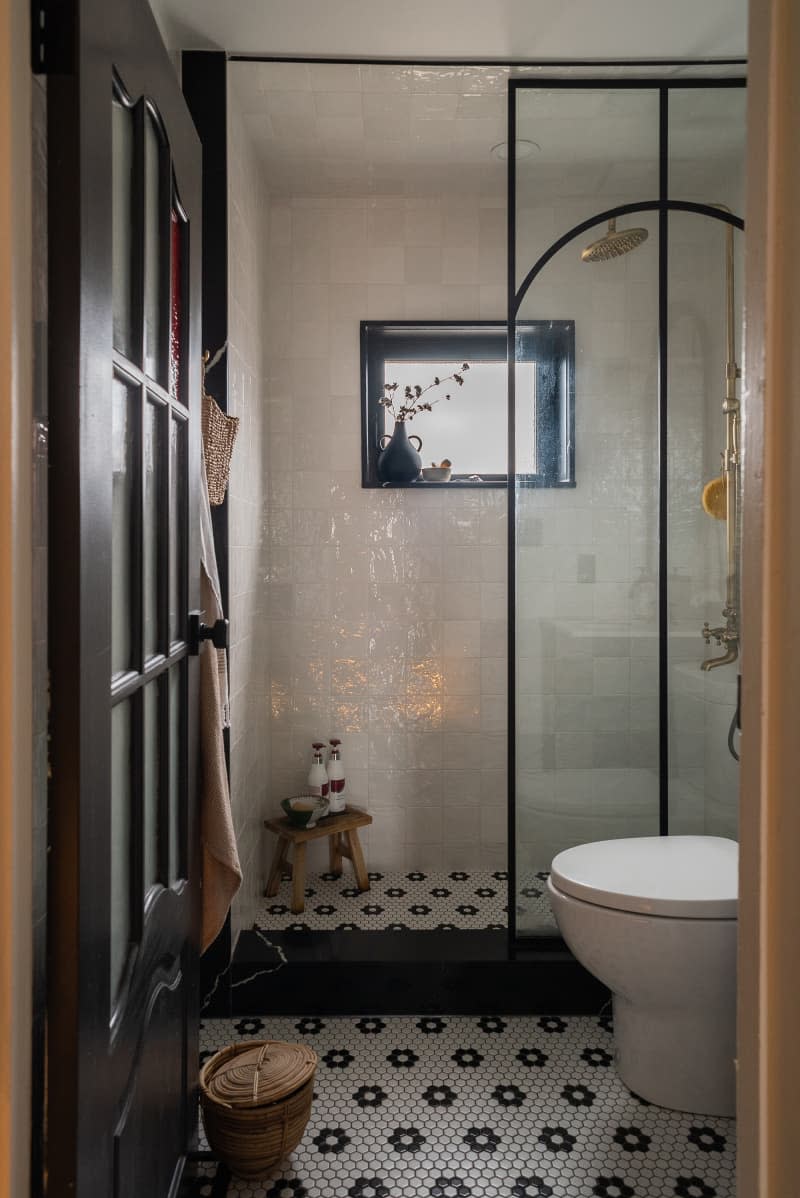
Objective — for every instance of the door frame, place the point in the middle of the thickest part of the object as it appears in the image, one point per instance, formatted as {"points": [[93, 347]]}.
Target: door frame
{"points": [[16, 567], [769, 883]]}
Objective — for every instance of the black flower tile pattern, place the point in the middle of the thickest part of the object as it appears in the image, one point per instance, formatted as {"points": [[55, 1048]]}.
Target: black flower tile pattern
{"points": [[509, 1095], [370, 1026], [531, 1187], [450, 1187], [482, 1139], [331, 1139], [422, 901], [597, 1057], [406, 1139], [492, 1024], [428, 1106], [368, 1187], [578, 1095], [706, 1139], [370, 1096], [632, 1139], [249, 1027], [431, 1025]]}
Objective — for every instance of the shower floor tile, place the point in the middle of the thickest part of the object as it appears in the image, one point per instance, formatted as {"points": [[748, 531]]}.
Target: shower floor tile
{"points": [[477, 1107], [417, 900]]}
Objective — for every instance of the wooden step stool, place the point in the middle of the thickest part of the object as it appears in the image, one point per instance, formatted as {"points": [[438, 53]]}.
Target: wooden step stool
{"points": [[342, 832]]}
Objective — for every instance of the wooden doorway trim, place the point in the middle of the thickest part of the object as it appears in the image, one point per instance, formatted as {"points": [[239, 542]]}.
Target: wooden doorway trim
{"points": [[769, 964], [16, 390]]}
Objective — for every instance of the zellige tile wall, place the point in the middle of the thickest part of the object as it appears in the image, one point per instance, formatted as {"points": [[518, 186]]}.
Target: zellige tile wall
{"points": [[247, 496], [387, 610]]}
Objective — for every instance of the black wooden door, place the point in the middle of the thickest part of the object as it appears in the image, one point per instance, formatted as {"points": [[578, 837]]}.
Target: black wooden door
{"points": [[124, 227]]}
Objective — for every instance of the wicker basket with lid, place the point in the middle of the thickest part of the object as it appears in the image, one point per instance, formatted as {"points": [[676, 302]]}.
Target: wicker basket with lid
{"points": [[256, 1101]]}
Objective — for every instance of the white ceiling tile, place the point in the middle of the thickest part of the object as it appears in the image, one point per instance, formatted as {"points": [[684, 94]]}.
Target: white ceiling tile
{"points": [[427, 130]]}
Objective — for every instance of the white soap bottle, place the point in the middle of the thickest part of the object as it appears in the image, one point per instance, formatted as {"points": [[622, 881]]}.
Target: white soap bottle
{"points": [[317, 775], [336, 777]]}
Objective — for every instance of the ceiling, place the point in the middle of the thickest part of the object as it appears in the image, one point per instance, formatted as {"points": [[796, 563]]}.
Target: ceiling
{"points": [[348, 130], [419, 30]]}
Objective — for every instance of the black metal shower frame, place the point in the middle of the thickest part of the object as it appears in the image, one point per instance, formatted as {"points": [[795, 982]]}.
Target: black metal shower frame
{"points": [[663, 205]]}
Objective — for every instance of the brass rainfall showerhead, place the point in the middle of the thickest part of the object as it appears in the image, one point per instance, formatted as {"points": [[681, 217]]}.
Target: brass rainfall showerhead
{"points": [[614, 244]]}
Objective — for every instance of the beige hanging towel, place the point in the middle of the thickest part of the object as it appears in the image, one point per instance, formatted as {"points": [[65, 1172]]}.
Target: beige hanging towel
{"points": [[221, 871]]}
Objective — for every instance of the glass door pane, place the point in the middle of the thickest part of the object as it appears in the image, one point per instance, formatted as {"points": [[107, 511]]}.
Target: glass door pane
{"points": [[122, 224], [157, 253], [122, 845], [704, 781], [125, 524], [586, 555], [154, 518]]}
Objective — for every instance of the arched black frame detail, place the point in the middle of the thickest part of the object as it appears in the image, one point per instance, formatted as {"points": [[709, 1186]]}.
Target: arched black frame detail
{"points": [[663, 206], [600, 218]]}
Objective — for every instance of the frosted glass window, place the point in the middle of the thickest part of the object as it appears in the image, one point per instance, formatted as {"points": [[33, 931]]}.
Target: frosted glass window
{"points": [[480, 404], [470, 428]]}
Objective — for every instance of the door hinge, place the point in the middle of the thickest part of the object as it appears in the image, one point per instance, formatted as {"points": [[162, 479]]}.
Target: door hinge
{"points": [[52, 37]]}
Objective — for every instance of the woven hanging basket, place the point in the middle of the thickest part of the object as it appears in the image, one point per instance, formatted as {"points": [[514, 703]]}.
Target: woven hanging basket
{"points": [[256, 1101], [219, 435]]}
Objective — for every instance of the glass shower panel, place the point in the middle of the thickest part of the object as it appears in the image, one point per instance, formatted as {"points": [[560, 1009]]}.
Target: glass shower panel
{"points": [[586, 581], [707, 131], [703, 776], [580, 151], [586, 556]]}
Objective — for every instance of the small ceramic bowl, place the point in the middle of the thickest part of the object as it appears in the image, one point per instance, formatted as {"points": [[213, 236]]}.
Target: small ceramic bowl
{"points": [[304, 810], [436, 474]]}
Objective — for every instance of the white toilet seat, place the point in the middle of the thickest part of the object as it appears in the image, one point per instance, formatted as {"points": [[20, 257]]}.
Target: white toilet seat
{"points": [[686, 877]]}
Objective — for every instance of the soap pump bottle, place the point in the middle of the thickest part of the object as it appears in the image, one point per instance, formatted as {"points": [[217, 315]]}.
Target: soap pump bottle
{"points": [[336, 777], [317, 775]]}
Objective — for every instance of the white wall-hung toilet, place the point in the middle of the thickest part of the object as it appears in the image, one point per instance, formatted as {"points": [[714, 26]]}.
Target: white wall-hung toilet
{"points": [[654, 918]]}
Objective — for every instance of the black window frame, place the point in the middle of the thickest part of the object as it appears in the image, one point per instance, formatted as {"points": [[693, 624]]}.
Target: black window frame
{"points": [[550, 343]]}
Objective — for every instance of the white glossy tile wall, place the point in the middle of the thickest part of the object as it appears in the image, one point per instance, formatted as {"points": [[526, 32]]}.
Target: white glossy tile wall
{"points": [[386, 609], [247, 499]]}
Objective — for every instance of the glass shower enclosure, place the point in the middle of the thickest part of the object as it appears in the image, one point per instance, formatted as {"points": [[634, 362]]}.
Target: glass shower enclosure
{"points": [[625, 224]]}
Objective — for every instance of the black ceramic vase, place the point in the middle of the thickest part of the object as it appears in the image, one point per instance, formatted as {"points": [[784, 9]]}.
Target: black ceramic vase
{"points": [[399, 461]]}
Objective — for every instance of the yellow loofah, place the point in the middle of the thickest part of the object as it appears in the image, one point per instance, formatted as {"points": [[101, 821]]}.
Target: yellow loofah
{"points": [[715, 499]]}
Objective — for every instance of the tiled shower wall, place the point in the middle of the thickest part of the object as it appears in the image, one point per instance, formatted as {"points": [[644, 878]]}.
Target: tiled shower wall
{"points": [[247, 496], [387, 609], [587, 598]]}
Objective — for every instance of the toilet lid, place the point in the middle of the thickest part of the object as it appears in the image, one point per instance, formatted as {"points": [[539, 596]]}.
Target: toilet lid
{"points": [[691, 877]]}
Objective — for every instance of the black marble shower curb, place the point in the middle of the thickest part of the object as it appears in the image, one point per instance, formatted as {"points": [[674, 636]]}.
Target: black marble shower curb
{"points": [[405, 973]]}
